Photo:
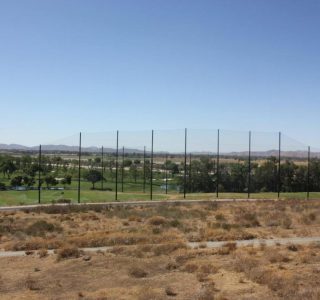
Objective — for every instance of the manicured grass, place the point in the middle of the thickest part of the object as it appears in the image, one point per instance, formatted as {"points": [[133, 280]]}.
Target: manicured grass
{"points": [[87, 195], [31, 197]]}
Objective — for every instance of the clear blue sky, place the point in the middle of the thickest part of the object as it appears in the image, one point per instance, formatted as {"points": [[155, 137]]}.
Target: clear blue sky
{"points": [[70, 66]]}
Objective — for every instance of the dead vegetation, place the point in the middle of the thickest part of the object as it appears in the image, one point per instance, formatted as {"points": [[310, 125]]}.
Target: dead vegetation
{"points": [[150, 258]]}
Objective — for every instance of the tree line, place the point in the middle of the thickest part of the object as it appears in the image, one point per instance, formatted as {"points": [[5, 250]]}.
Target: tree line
{"points": [[202, 174]]}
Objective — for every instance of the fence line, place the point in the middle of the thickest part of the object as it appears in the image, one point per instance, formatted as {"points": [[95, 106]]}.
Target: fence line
{"points": [[172, 166]]}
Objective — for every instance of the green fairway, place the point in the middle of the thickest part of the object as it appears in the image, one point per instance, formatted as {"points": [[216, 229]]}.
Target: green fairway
{"points": [[89, 196], [31, 197]]}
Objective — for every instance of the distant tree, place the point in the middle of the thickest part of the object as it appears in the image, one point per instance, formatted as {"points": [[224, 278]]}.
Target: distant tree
{"points": [[66, 180], [16, 181], [127, 163], [93, 176], [50, 181], [28, 181], [134, 172], [172, 167], [97, 160], [8, 167], [2, 186], [31, 170]]}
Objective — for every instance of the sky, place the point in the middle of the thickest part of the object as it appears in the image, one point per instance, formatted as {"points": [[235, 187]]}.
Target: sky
{"points": [[103, 65]]}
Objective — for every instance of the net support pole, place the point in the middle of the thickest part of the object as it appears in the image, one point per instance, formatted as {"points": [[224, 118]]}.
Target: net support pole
{"points": [[190, 169], [117, 157], [151, 167], [122, 170], [308, 178], [39, 176], [144, 169], [102, 168], [279, 166], [218, 163], [166, 173], [185, 164], [79, 168], [249, 166]]}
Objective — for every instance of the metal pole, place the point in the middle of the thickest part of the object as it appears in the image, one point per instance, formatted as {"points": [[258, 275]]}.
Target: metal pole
{"points": [[102, 168], [151, 167], [190, 181], [279, 166], [144, 169], [79, 171], [218, 160], [249, 166], [166, 173], [185, 163], [122, 170], [39, 176], [117, 155], [308, 180]]}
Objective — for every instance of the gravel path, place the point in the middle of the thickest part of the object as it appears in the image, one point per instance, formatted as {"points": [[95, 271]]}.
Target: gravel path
{"points": [[254, 242]]}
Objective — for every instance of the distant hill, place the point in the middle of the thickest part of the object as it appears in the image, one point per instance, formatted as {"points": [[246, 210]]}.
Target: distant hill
{"points": [[93, 149], [61, 148]]}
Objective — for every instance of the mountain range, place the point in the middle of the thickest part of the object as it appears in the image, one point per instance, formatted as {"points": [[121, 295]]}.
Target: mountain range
{"points": [[93, 149]]}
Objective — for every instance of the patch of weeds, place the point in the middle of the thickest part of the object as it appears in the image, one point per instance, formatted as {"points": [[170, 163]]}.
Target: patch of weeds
{"points": [[41, 227], [68, 252], [137, 272]]}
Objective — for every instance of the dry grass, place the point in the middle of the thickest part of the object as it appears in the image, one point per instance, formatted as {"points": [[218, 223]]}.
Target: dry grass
{"points": [[150, 258], [67, 252]]}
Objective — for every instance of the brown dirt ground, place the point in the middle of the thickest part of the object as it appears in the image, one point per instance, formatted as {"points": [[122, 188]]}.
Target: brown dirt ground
{"points": [[150, 259]]}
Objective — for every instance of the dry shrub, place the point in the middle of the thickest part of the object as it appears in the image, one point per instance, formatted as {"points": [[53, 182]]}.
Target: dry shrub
{"points": [[43, 253], [170, 291], [202, 277], [258, 273], [68, 252], [247, 218], [99, 239], [277, 257], [190, 268], [231, 246], [292, 247], [286, 222], [308, 218], [134, 219], [166, 249], [220, 217], [203, 245], [207, 292], [157, 221], [273, 219], [172, 266], [34, 243], [137, 272], [183, 258], [117, 250], [41, 227], [210, 234], [244, 263], [31, 284], [145, 248], [208, 269], [150, 294], [156, 230], [223, 251], [307, 257]]}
